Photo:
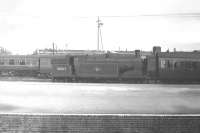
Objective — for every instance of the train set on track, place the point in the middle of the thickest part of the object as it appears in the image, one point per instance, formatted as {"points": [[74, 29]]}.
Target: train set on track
{"points": [[173, 67]]}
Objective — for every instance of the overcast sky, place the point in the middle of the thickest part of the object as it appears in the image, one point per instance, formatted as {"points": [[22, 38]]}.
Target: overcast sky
{"points": [[26, 25]]}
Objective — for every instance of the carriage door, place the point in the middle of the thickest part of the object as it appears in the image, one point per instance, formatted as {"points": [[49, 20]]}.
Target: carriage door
{"points": [[72, 66]]}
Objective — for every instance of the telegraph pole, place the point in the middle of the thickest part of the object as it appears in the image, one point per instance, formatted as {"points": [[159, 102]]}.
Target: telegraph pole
{"points": [[99, 24], [53, 48]]}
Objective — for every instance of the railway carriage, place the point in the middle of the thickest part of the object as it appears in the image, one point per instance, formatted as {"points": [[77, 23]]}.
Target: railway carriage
{"points": [[179, 66], [19, 65]]}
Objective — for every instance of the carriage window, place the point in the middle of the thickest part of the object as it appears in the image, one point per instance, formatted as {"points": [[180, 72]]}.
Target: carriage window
{"points": [[176, 65], [162, 63], [11, 62], [168, 64]]}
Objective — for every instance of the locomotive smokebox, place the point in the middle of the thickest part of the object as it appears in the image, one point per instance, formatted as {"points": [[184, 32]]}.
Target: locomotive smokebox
{"points": [[156, 49]]}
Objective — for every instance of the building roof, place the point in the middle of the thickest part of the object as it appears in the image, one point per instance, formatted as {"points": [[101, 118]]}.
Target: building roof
{"points": [[179, 55]]}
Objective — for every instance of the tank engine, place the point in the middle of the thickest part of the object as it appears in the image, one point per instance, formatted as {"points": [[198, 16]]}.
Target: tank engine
{"points": [[109, 67]]}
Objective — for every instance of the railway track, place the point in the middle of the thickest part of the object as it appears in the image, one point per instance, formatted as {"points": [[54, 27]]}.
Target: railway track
{"points": [[57, 123]]}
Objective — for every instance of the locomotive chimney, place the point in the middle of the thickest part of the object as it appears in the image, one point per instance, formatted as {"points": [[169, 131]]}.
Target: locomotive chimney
{"points": [[156, 49]]}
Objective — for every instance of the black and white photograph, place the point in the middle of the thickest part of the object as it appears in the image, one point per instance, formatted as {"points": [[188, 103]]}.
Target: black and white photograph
{"points": [[100, 66]]}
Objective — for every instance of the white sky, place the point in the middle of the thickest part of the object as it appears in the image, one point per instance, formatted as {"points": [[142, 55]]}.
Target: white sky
{"points": [[26, 25]]}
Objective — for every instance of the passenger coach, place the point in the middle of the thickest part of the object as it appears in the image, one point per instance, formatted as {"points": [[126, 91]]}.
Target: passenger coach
{"points": [[19, 65], [179, 66]]}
